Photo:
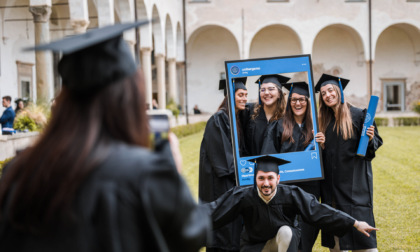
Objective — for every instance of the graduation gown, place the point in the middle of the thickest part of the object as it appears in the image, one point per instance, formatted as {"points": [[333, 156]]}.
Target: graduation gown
{"points": [[272, 144], [217, 175], [272, 140], [262, 221], [134, 201], [348, 182], [255, 131]]}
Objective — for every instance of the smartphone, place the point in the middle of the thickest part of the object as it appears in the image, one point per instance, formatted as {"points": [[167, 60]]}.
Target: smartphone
{"points": [[159, 126]]}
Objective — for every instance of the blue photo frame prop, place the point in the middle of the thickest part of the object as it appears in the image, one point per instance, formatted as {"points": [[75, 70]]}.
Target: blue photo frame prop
{"points": [[304, 165]]}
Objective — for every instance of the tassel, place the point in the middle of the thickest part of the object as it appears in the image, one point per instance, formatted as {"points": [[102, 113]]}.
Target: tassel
{"points": [[341, 90]]}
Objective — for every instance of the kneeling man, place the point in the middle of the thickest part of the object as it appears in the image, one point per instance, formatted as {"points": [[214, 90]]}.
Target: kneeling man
{"points": [[269, 211]]}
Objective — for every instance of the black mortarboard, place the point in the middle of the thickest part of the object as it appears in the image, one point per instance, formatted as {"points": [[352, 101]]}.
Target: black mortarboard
{"points": [[301, 88], [240, 83], [222, 86], [268, 163], [273, 78], [329, 79], [94, 59]]}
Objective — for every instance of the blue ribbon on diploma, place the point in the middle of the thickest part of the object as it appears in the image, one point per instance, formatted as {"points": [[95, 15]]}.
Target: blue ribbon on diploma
{"points": [[370, 116]]}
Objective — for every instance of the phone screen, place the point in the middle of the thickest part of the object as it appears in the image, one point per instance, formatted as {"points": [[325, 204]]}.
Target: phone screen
{"points": [[159, 128]]}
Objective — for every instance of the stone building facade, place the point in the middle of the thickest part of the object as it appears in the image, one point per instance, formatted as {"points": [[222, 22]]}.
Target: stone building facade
{"points": [[375, 44]]}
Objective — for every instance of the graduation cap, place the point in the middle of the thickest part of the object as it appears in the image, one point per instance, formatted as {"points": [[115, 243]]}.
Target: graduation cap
{"points": [[94, 59], [301, 88], [271, 78], [334, 80], [222, 86], [240, 83], [268, 163]]}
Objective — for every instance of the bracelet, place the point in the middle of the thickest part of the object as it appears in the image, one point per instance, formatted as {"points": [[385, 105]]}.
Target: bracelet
{"points": [[357, 226]]}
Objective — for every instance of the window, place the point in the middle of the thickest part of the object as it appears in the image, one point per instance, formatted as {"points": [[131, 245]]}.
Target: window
{"points": [[394, 97], [25, 89]]}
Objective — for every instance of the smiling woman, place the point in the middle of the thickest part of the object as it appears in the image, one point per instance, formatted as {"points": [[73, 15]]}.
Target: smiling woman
{"points": [[217, 169], [270, 108]]}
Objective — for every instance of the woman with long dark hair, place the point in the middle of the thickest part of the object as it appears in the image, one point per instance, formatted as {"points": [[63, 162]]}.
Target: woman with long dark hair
{"points": [[270, 108], [217, 170], [91, 183], [348, 184]]}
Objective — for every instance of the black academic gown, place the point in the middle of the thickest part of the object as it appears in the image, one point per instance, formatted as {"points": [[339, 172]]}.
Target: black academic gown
{"points": [[348, 182], [217, 175], [262, 221], [272, 140], [255, 131], [134, 201], [272, 144]]}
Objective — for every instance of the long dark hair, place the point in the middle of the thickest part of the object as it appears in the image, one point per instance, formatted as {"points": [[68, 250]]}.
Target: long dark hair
{"points": [[289, 122], [224, 107], [41, 182]]}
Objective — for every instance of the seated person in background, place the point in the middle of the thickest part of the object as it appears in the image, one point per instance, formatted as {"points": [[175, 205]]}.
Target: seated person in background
{"points": [[196, 110], [8, 116], [19, 106], [269, 211]]}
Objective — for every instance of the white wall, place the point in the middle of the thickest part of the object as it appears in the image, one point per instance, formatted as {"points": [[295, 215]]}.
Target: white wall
{"points": [[207, 50]]}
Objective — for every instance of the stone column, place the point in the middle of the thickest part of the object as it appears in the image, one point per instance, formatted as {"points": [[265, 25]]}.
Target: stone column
{"points": [[105, 12], [79, 26], [146, 64], [43, 60], [160, 65], [181, 90], [172, 80]]}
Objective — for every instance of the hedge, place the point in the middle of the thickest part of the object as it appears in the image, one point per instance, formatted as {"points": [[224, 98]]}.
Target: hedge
{"points": [[406, 121], [380, 121], [189, 129]]}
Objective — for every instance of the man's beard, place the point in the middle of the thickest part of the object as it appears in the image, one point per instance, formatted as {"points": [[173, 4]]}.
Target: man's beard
{"points": [[268, 187]]}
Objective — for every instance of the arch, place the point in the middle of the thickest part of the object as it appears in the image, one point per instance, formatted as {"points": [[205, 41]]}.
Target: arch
{"points": [[180, 57], [397, 66], [275, 40], [145, 30], [124, 10], [410, 30], [158, 34], [338, 50], [208, 48], [170, 40]]}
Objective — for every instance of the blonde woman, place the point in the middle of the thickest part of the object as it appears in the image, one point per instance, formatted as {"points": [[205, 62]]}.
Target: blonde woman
{"points": [[348, 177]]}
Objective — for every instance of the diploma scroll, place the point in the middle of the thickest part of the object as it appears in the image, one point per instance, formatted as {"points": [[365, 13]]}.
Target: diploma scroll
{"points": [[370, 116]]}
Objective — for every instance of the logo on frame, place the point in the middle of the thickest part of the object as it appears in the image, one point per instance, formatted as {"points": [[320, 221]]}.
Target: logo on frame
{"points": [[234, 70]]}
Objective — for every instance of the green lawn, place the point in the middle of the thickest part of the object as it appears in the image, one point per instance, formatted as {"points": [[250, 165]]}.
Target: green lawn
{"points": [[396, 171]]}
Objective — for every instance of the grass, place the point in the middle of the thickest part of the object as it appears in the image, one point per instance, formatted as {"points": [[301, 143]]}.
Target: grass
{"points": [[396, 180]]}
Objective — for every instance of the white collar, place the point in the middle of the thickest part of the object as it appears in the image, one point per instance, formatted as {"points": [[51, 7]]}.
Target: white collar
{"points": [[267, 201]]}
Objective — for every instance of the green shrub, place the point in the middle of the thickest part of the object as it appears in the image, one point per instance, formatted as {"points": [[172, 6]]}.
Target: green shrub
{"points": [[407, 121], [416, 107], [25, 122], [33, 118], [189, 129], [173, 107], [3, 163], [381, 121]]}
